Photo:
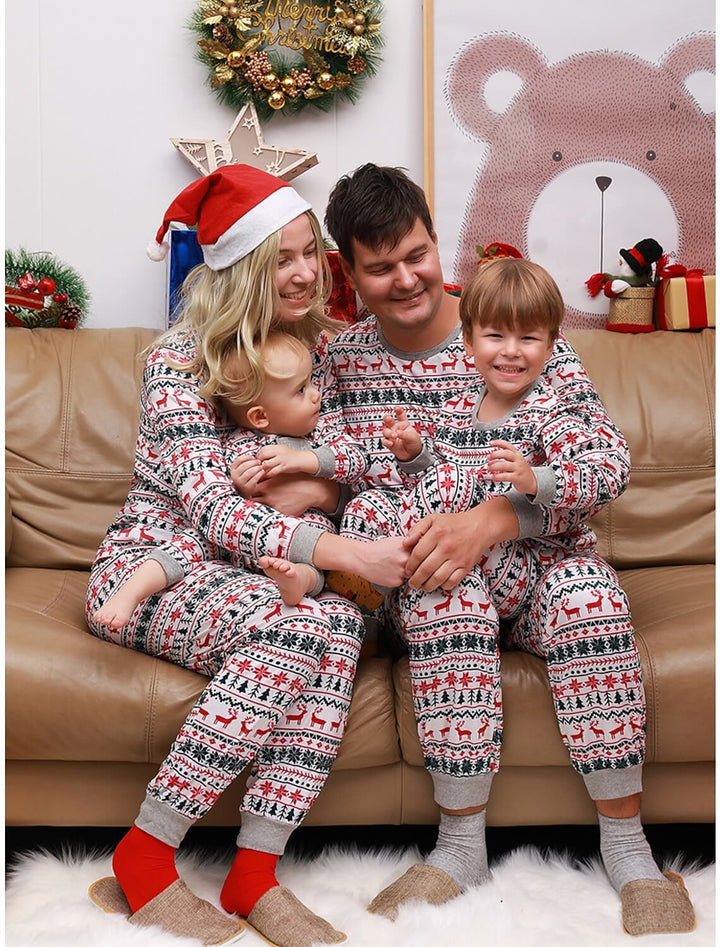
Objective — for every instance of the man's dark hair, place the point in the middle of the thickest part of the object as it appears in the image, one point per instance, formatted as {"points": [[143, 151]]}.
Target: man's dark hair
{"points": [[376, 206]]}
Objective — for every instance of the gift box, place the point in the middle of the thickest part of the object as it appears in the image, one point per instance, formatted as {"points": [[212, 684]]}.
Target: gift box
{"points": [[686, 302], [184, 255], [342, 303]]}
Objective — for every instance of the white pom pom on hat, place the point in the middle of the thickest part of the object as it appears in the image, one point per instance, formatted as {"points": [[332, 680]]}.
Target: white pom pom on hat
{"points": [[235, 208]]}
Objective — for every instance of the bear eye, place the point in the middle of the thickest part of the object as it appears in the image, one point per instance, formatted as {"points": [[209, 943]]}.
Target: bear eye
{"points": [[557, 155], [650, 155]]}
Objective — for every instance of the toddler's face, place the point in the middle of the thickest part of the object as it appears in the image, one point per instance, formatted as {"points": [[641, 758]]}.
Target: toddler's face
{"points": [[510, 360], [292, 405]]}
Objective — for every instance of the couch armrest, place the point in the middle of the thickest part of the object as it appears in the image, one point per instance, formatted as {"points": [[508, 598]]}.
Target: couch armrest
{"points": [[8, 522]]}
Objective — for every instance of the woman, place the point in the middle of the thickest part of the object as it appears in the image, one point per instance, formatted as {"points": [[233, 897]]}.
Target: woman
{"points": [[264, 269]]}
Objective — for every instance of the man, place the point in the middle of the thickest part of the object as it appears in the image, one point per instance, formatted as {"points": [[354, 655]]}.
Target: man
{"points": [[409, 352]]}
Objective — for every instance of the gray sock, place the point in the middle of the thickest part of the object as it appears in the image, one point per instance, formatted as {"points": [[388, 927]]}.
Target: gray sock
{"points": [[461, 849], [625, 851]]}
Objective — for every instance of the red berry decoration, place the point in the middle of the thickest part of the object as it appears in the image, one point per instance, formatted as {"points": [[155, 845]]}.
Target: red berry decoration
{"points": [[60, 298], [46, 286]]}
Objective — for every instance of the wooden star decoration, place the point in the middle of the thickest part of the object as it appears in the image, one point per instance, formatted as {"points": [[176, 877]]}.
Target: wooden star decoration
{"points": [[244, 145]]}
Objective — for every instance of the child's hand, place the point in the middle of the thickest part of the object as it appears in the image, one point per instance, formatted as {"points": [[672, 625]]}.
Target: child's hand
{"points": [[277, 459], [400, 437], [246, 473], [507, 465]]}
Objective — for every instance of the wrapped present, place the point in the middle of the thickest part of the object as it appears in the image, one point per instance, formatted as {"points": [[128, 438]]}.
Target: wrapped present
{"points": [[342, 304], [686, 301]]}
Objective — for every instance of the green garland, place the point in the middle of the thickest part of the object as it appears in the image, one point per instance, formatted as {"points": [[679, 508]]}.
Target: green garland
{"points": [[327, 51], [42, 291]]}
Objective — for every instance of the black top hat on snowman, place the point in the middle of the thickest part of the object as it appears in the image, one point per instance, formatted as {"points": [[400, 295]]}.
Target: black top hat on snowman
{"points": [[642, 256]]}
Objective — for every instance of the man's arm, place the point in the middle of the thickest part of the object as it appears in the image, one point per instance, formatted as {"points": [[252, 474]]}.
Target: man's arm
{"points": [[446, 546]]}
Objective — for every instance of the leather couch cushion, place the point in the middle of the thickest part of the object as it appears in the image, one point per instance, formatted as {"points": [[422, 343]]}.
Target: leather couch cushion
{"points": [[659, 389], [673, 615], [72, 409], [101, 702]]}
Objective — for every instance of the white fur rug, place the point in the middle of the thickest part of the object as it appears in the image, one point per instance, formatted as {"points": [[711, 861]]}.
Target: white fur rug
{"points": [[532, 901]]}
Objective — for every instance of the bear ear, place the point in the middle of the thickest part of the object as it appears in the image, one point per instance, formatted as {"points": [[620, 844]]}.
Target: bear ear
{"points": [[474, 68], [692, 62]]}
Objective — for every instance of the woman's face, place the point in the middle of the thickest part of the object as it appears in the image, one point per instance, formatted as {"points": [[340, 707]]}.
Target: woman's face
{"points": [[297, 269]]}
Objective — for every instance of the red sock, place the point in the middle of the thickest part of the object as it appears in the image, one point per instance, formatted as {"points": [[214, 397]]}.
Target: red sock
{"points": [[251, 875], [144, 866]]}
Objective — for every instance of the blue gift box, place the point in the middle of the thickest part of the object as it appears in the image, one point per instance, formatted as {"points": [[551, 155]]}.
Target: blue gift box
{"points": [[184, 255]]}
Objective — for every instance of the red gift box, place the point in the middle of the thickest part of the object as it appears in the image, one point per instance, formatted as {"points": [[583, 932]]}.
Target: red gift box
{"points": [[342, 304], [686, 301]]}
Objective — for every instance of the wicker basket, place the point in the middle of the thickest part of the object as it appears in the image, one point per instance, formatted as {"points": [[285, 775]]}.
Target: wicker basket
{"points": [[633, 307]]}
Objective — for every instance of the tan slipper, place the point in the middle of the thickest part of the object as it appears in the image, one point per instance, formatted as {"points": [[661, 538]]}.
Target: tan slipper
{"points": [[419, 883], [176, 910], [283, 921], [651, 906]]}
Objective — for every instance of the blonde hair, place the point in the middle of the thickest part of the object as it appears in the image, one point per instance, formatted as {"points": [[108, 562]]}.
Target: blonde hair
{"points": [[280, 355], [235, 309], [512, 293]]}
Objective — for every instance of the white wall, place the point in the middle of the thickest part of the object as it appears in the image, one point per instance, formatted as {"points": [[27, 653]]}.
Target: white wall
{"points": [[95, 91]]}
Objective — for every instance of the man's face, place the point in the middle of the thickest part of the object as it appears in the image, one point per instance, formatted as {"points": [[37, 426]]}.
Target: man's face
{"points": [[402, 286]]}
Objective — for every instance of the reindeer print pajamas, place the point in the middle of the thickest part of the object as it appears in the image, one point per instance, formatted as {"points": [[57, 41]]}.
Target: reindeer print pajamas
{"points": [[564, 602], [281, 676]]}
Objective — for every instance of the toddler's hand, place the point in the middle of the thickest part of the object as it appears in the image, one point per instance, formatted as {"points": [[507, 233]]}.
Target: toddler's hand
{"points": [[400, 437], [507, 465], [277, 459]]}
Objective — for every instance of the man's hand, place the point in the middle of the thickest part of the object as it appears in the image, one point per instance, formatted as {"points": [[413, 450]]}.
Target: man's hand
{"points": [[507, 465], [277, 459], [400, 437], [446, 546]]}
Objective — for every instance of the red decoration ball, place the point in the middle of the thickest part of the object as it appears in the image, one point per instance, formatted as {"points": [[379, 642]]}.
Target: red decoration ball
{"points": [[46, 286], [60, 298]]}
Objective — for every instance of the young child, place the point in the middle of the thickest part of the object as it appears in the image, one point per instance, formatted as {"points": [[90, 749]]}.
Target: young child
{"points": [[510, 429], [272, 424]]}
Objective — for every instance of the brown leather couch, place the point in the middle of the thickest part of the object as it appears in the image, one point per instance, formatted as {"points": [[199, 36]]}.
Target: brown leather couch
{"points": [[88, 722]]}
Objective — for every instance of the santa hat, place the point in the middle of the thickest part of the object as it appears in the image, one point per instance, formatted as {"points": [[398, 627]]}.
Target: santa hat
{"points": [[235, 208], [642, 256]]}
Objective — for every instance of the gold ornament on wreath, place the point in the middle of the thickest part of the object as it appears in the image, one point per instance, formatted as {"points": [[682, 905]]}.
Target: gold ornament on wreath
{"points": [[283, 55]]}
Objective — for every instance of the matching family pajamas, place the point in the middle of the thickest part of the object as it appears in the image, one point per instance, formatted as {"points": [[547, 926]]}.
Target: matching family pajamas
{"points": [[281, 676], [556, 597]]}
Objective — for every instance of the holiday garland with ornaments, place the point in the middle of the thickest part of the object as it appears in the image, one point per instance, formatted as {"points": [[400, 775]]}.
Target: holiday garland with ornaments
{"points": [[42, 292], [283, 55]]}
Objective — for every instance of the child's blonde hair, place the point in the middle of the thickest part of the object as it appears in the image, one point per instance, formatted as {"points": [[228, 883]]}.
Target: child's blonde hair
{"points": [[512, 293], [279, 355], [236, 308]]}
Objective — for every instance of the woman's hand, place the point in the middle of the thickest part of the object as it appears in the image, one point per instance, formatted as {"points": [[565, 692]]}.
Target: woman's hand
{"points": [[400, 437], [507, 465], [246, 474]]}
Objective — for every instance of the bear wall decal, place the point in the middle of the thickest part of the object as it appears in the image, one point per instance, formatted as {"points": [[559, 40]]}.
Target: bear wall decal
{"points": [[590, 154]]}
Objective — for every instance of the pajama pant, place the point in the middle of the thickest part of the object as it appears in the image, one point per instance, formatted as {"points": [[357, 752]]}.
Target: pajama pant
{"points": [[280, 688], [572, 614]]}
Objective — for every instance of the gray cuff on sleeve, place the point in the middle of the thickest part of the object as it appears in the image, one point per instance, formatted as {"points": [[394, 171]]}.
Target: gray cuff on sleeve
{"points": [[546, 485], [326, 461], [418, 464], [172, 569], [529, 515], [302, 545]]}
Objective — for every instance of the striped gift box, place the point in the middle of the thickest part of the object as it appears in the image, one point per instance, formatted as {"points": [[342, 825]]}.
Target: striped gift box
{"points": [[686, 302]]}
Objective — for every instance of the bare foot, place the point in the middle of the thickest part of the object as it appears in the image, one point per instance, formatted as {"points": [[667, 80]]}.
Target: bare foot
{"points": [[116, 612], [294, 579]]}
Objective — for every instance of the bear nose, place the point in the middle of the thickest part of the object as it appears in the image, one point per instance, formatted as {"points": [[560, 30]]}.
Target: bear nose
{"points": [[603, 182]]}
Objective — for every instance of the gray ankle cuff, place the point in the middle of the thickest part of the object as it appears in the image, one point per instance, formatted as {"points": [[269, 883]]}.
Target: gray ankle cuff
{"points": [[263, 834], [461, 792], [162, 821], [614, 783]]}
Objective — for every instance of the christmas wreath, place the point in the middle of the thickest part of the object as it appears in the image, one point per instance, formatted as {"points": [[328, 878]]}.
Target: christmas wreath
{"points": [[283, 55], [41, 291]]}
